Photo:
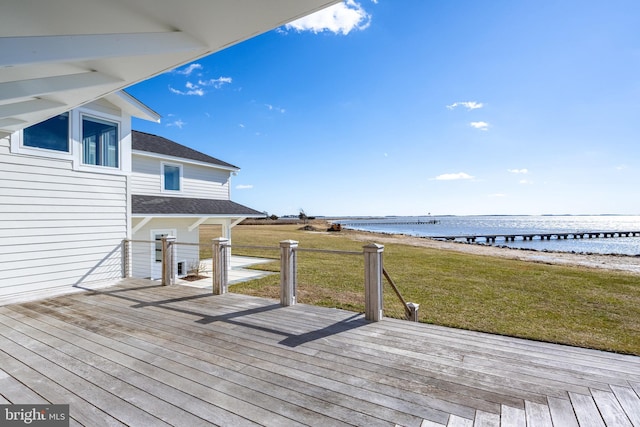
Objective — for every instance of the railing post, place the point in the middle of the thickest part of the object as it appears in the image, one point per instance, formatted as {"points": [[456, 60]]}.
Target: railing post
{"points": [[126, 266], [373, 281], [288, 272], [220, 265], [413, 309], [168, 260]]}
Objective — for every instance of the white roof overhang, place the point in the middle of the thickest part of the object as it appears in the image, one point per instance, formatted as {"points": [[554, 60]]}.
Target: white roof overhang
{"points": [[58, 55]]}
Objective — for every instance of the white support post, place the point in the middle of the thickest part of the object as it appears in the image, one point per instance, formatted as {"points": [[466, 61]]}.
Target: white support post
{"points": [[168, 260], [373, 281], [126, 262], [413, 308], [219, 254], [288, 272]]}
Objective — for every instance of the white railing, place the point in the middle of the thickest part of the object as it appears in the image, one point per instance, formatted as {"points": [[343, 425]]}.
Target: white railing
{"points": [[374, 271]]}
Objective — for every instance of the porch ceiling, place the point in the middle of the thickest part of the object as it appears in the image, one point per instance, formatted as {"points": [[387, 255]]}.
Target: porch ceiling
{"points": [[55, 56]]}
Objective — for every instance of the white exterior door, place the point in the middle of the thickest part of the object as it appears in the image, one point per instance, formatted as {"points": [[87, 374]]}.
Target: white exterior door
{"points": [[156, 252]]}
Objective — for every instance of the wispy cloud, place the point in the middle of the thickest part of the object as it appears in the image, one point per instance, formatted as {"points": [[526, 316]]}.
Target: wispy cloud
{"points": [[497, 195], [199, 88], [188, 69], [453, 176], [341, 18], [273, 108], [480, 125], [522, 171], [469, 105], [244, 187], [216, 83], [191, 90], [177, 123], [525, 182]]}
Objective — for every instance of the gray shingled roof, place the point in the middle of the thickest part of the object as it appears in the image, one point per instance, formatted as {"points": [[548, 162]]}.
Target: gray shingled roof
{"points": [[159, 205], [143, 141]]}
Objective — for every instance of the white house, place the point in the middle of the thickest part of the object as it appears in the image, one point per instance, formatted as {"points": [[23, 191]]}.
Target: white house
{"points": [[66, 193], [75, 186], [176, 189]]}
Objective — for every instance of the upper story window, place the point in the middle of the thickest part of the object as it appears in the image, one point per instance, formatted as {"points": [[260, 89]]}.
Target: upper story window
{"points": [[52, 134], [100, 142], [171, 175]]}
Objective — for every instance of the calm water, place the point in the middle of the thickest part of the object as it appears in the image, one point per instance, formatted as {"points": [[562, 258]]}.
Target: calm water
{"points": [[478, 225]]}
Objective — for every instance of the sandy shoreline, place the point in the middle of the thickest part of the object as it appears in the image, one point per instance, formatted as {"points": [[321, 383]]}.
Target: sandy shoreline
{"points": [[630, 264]]}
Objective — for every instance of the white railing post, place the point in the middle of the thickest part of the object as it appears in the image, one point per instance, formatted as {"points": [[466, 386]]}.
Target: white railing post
{"points": [[413, 309], [373, 281], [126, 263], [288, 272], [168, 260], [219, 256]]}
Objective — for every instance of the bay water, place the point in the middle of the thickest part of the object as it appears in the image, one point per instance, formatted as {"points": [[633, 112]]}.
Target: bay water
{"points": [[435, 226]]}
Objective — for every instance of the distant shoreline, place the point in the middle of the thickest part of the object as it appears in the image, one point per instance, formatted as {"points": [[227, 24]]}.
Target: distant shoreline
{"points": [[613, 262]]}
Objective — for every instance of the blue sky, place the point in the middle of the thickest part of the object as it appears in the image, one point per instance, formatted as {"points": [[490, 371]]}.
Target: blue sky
{"points": [[409, 107]]}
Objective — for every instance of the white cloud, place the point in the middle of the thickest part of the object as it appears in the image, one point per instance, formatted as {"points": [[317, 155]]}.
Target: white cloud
{"points": [[522, 171], [621, 167], [272, 108], [525, 182], [479, 125], [497, 195], [341, 18], [453, 176], [189, 69], [197, 89], [192, 90], [216, 83], [469, 105], [244, 187], [177, 123]]}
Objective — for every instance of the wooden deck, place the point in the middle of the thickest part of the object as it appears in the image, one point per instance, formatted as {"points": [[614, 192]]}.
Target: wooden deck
{"points": [[144, 355]]}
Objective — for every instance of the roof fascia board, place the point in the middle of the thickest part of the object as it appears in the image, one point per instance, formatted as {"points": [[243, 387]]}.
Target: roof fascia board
{"points": [[151, 216], [131, 105], [182, 160]]}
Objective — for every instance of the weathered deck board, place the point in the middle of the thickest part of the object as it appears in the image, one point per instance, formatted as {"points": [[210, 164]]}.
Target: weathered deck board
{"points": [[145, 354], [630, 402], [610, 409], [562, 413]]}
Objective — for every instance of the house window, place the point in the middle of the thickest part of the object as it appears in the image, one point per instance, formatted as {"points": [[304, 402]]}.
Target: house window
{"points": [[171, 175], [52, 134], [99, 142]]}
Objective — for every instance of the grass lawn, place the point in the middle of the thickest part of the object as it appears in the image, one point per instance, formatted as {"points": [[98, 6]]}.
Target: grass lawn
{"points": [[570, 305]]}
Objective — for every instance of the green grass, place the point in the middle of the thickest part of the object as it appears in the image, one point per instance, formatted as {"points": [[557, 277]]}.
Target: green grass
{"points": [[570, 305]]}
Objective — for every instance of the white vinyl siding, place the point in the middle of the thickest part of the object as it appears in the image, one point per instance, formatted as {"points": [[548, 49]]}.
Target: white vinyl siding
{"points": [[59, 227], [197, 181], [143, 254]]}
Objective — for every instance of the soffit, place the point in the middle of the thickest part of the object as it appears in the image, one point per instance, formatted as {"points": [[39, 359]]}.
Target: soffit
{"points": [[55, 56]]}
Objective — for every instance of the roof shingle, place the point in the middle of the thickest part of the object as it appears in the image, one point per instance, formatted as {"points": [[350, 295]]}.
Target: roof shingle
{"points": [[162, 205], [150, 143]]}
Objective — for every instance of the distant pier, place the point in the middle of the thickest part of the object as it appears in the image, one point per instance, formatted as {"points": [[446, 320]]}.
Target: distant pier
{"points": [[413, 222], [491, 238]]}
